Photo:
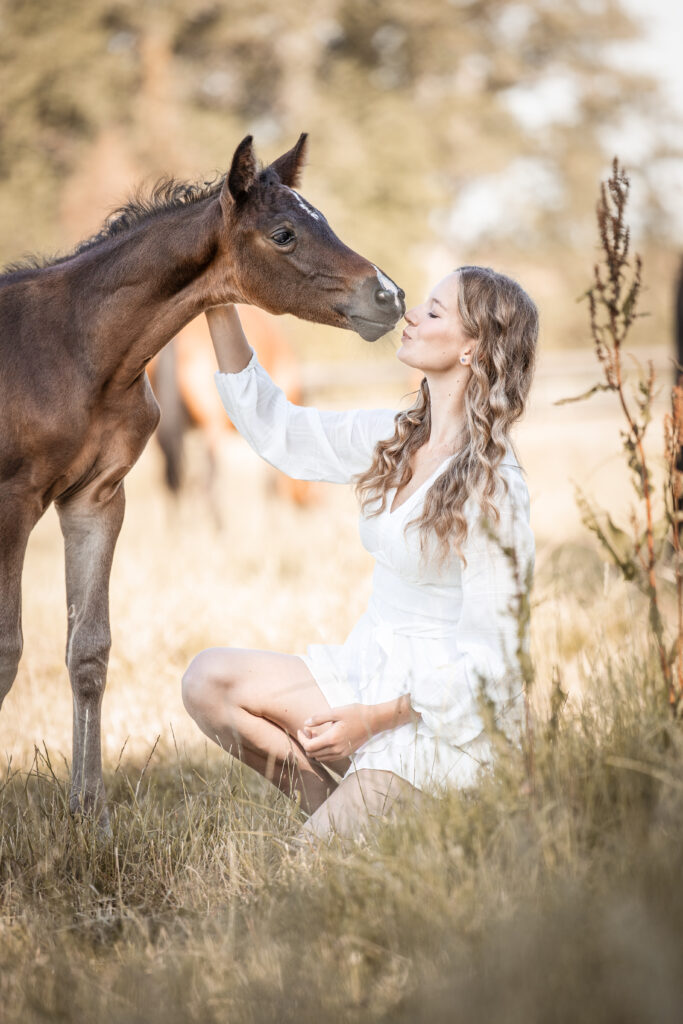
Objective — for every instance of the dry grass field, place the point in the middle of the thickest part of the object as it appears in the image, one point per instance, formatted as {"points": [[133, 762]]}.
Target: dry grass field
{"points": [[561, 905]]}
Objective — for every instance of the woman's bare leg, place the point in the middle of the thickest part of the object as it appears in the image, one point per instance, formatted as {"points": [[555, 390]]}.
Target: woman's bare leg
{"points": [[252, 703], [363, 798]]}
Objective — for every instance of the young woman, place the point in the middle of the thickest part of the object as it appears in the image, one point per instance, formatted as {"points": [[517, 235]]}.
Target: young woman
{"points": [[398, 708]]}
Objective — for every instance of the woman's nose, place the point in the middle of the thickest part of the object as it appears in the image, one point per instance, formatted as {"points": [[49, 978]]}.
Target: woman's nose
{"points": [[411, 317]]}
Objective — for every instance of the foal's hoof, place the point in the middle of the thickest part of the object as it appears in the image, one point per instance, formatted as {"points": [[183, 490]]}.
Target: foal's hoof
{"points": [[91, 813]]}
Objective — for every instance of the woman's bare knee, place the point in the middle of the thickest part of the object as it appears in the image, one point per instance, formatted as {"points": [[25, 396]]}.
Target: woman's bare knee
{"points": [[206, 679]]}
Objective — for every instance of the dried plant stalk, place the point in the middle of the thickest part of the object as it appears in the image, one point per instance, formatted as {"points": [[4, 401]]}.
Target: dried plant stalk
{"points": [[613, 301]]}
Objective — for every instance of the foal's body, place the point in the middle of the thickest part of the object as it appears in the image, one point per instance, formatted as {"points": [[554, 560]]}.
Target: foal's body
{"points": [[76, 408]]}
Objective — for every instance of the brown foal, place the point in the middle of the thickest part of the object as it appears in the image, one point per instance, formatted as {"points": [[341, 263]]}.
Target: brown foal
{"points": [[76, 408]]}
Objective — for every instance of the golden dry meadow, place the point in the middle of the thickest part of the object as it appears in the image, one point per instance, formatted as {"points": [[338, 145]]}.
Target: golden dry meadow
{"points": [[494, 904]]}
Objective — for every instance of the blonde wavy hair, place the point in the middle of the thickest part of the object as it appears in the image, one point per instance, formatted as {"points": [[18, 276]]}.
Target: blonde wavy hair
{"points": [[503, 321]]}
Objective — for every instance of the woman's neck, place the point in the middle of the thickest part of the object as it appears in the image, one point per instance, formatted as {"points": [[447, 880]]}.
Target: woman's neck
{"points": [[447, 408]]}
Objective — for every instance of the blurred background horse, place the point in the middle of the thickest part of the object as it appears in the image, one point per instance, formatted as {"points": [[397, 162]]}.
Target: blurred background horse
{"points": [[182, 377]]}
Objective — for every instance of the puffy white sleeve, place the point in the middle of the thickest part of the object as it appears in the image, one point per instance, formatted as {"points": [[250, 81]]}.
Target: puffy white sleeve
{"points": [[492, 629], [303, 442]]}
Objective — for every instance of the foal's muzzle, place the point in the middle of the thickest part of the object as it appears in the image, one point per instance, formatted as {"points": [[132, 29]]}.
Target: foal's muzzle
{"points": [[375, 307]]}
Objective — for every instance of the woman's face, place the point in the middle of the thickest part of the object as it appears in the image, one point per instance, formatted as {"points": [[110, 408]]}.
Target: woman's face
{"points": [[434, 338]]}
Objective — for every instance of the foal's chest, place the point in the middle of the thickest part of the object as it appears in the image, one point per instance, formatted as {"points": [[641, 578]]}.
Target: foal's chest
{"points": [[120, 424]]}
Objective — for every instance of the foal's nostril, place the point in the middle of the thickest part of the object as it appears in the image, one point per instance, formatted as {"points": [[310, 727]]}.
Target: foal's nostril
{"points": [[383, 297], [401, 294]]}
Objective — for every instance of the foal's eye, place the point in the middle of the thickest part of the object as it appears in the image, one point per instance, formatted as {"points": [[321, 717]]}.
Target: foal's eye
{"points": [[283, 236]]}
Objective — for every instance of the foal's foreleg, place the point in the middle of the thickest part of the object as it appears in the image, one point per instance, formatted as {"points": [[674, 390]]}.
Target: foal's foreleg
{"points": [[90, 529], [16, 521]]}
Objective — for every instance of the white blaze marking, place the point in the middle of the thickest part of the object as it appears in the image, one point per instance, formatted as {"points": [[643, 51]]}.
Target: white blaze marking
{"points": [[311, 211], [385, 283]]}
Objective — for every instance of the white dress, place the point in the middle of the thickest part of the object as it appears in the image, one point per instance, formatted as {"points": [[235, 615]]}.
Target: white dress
{"points": [[436, 632]]}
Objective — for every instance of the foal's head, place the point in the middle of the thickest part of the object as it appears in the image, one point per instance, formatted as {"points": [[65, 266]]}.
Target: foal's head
{"points": [[290, 260]]}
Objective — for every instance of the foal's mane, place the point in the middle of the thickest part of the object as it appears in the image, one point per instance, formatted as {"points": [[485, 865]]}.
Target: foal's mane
{"points": [[166, 195]]}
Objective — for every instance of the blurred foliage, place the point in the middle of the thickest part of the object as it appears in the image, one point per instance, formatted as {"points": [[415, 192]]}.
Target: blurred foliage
{"points": [[407, 105]]}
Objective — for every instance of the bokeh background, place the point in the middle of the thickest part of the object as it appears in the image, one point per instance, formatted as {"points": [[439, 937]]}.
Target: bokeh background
{"points": [[444, 131], [440, 133]]}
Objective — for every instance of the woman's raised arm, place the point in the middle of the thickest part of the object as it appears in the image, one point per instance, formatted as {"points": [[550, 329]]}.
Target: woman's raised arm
{"points": [[301, 441], [233, 351]]}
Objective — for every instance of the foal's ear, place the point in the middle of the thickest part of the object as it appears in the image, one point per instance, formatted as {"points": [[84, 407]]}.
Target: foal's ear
{"points": [[242, 173], [288, 167]]}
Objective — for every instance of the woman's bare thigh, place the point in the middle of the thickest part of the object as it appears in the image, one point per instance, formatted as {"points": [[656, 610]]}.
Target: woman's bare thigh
{"points": [[277, 687]]}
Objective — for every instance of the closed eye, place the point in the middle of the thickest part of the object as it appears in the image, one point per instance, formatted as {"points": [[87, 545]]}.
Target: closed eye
{"points": [[433, 315]]}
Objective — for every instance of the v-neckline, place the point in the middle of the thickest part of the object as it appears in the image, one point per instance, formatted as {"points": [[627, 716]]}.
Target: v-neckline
{"points": [[394, 511]]}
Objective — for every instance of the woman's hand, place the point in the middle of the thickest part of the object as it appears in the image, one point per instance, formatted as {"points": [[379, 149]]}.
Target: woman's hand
{"points": [[341, 731], [338, 733]]}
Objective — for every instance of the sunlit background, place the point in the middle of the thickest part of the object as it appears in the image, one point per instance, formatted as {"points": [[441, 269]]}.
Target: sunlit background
{"points": [[440, 132]]}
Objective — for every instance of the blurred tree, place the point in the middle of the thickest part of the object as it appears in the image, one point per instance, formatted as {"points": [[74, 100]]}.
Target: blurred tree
{"points": [[473, 125]]}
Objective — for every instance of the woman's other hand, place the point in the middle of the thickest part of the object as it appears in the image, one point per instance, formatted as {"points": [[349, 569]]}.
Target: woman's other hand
{"points": [[338, 733], [341, 731]]}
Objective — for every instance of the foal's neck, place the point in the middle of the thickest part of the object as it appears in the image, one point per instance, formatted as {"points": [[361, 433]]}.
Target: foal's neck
{"points": [[146, 285]]}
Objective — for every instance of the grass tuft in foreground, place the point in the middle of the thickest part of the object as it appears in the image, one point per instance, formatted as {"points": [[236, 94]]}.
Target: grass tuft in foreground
{"points": [[490, 905]]}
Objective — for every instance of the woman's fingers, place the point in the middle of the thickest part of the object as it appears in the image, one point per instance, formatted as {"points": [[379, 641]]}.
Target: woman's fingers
{"points": [[323, 745], [320, 719], [315, 730], [304, 737], [327, 755], [312, 744]]}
